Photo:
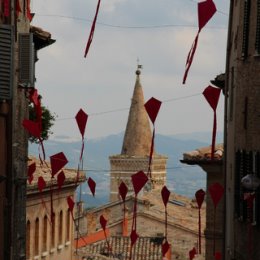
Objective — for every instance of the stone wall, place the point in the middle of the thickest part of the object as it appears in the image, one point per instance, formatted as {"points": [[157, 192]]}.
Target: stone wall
{"points": [[243, 124], [123, 167]]}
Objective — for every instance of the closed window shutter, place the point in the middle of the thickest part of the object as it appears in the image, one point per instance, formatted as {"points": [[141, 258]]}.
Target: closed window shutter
{"points": [[246, 28], [6, 50], [26, 59], [257, 38], [242, 169]]}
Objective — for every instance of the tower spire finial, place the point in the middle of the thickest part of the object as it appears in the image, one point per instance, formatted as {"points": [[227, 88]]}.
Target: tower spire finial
{"points": [[139, 67]]}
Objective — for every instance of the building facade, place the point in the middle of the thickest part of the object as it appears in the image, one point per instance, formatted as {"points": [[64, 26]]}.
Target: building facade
{"points": [[214, 230], [182, 228], [242, 132], [136, 147], [16, 67], [45, 238]]}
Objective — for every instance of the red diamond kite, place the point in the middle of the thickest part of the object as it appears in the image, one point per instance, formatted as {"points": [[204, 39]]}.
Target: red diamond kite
{"points": [[58, 161], [206, 10]]}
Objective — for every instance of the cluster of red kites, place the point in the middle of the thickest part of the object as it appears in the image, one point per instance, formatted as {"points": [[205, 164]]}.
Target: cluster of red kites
{"points": [[7, 8], [206, 10], [139, 179]]}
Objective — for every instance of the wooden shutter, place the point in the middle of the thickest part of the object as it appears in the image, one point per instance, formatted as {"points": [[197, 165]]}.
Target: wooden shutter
{"points": [[241, 169], [6, 66], [26, 59], [257, 38], [246, 28]]}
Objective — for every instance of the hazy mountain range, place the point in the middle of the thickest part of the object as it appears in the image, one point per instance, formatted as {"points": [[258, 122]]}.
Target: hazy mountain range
{"points": [[181, 178]]}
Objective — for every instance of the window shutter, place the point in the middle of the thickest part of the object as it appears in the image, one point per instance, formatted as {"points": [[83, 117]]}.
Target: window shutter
{"points": [[245, 28], [26, 59], [6, 66], [257, 38], [240, 171]]}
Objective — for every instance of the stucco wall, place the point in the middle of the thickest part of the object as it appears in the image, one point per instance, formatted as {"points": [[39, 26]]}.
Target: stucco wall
{"points": [[38, 206]]}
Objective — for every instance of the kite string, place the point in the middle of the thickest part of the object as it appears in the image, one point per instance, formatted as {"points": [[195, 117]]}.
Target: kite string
{"points": [[149, 172], [214, 135], [92, 30], [214, 232], [199, 231], [190, 57]]}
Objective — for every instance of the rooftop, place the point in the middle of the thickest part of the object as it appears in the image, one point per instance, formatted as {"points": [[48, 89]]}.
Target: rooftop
{"points": [[44, 170], [203, 155]]}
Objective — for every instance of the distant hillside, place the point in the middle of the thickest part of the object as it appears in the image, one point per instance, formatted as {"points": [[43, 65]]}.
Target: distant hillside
{"points": [[182, 179]]}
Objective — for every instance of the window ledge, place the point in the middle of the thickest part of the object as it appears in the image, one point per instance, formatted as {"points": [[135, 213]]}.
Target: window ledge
{"points": [[60, 247], [52, 250], [36, 257], [44, 254], [67, 243]]}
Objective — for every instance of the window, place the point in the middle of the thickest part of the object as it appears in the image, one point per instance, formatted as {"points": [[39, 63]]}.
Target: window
{"points": [[231, 95], [36, 237], [26, 59], [6, 47], [245, 28], [28, 238], [44, 241], [68, 226], [60, 227], [247, 162], [53, 231], [257, 38]]}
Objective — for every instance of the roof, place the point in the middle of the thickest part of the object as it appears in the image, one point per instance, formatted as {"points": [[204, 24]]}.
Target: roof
{"points": [[203, 155], [44, 170], [138, 135], [145, 248], [182, 211], [182, 215], [219, 81], [41, 38]]}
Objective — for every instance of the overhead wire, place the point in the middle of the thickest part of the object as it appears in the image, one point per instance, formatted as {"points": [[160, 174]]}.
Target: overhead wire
{"points": [[108, 170], [126, 109], [127, 26]]}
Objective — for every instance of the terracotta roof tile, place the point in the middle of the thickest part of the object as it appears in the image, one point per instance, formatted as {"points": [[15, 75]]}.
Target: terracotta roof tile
{"points": [[204, 154], [44, 170]]}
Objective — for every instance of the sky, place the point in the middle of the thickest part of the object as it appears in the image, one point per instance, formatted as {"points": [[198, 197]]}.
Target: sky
{"points": [[158, 33]]}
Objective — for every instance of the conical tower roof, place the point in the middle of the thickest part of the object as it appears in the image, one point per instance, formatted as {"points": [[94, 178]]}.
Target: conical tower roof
{"points": [[138, 135]]}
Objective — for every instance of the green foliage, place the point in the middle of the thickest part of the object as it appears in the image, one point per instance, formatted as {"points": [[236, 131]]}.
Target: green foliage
{"points": [[47, 122]]}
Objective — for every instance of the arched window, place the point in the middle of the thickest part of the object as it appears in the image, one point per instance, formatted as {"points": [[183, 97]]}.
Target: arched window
{"points": [[52, 229], [36, 237], [28, 238], [68, 226], [60, 227], [44, 239]]}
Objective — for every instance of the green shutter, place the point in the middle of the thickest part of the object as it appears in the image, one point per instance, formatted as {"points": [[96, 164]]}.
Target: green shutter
{"points": [[6, 68]]}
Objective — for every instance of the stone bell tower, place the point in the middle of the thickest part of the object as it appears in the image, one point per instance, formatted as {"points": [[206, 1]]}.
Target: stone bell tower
{"points": [[135, 152]]}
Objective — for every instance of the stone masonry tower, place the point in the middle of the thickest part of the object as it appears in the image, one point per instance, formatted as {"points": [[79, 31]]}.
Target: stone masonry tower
{"points": [[135, 152]]}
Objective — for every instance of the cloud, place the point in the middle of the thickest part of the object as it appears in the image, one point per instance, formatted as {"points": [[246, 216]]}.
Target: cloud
{"points": [[104, 81]]}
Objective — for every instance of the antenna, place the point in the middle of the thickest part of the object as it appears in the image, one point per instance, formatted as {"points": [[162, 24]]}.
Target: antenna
{"points": [[139, 66]]}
